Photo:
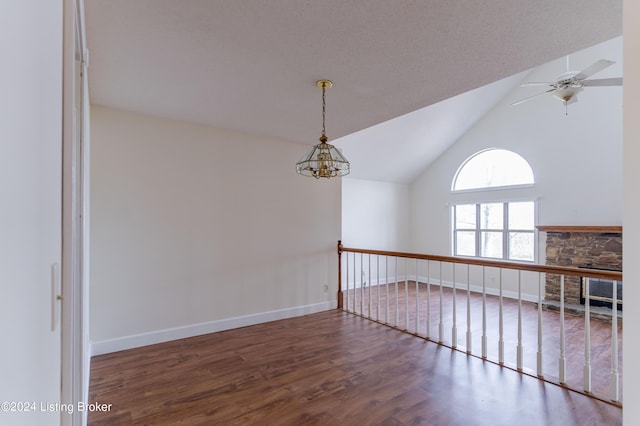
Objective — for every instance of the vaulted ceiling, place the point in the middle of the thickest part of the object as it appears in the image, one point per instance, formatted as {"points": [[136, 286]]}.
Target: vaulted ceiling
{"points": [[251, 65]]}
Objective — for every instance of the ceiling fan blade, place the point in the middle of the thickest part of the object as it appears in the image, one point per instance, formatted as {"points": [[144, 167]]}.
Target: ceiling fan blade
{"points": [[596, 67], [604, 82], [536, 83], [531, 97]]}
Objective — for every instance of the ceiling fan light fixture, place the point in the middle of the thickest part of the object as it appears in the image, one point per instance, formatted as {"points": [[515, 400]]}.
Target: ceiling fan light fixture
{"points": [[568, 85], [323, 160], [566, 94]]}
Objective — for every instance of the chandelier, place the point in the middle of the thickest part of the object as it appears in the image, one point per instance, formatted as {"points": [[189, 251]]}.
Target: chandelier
{"points": [[324, 160]]}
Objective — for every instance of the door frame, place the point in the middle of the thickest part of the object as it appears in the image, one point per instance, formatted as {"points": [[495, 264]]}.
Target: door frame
{"points": [[75, 350]]}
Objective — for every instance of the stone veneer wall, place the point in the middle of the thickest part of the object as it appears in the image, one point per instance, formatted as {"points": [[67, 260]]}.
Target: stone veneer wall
{"points": [[597, 250]]}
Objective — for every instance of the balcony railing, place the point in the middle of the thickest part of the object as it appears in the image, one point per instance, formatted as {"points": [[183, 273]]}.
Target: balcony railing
{"points": [[500, 307]]}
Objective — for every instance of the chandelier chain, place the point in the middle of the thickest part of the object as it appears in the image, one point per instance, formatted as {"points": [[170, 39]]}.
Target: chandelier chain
{"points": [[323, 111]]}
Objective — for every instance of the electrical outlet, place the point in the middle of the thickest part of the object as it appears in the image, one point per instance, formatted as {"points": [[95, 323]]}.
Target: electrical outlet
{"points": [[326, 288]]}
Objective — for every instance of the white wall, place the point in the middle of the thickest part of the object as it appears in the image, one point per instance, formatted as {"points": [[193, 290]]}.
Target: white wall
{"points": [[631, 330], [576, 158], [30, 185], [375, 215], [196, 229]]}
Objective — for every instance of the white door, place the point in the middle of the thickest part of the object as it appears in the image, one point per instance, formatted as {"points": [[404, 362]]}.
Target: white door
{"points": [[31, 39]]}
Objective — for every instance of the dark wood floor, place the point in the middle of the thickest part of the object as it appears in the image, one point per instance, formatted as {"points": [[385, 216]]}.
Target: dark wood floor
{"points": [[574, 331], [331, 368]]}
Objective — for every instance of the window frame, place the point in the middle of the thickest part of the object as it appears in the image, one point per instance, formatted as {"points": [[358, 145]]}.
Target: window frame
{"points": [[490, 188], [478, 196], [505, 230]]}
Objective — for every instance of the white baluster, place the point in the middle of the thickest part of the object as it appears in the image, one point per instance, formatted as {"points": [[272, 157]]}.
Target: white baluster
{"points": [[397, 313], [586, 371], [469, 340], [428, 300], [417, 301], [347, 280], [562, 363], [378, 287], [355, 291], [484, 314], [454, 327], [539, 357], [441, 324], [406, 294], [386, 280], [519, 348], [369, 288], [501, 326], [614, 379], [361, 284]]}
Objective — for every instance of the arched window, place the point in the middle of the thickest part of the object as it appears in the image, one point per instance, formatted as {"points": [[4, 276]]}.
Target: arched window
{"points": [[497, 228], [493, 168]]}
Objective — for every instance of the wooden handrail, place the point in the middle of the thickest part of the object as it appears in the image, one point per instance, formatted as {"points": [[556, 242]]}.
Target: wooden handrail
{"points": [[561, 270], [420, 330]]}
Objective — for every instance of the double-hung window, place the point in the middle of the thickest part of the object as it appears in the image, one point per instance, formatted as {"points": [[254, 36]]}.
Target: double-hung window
{"points": [[500, 228]]}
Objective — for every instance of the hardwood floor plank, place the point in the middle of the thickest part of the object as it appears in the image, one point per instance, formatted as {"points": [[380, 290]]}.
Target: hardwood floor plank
{"points": [[331, 368], [574, 328]]}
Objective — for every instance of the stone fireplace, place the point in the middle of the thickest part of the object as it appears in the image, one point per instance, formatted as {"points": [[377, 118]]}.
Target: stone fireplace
{"points": [[594, 247]]}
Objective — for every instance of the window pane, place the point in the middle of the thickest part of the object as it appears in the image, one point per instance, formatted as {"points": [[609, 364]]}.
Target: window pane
{"points": [[491, 216], [479, 230], [521, 215], [521, 246], [491, 244], [466, 216], [492, 168], [465, 243]]}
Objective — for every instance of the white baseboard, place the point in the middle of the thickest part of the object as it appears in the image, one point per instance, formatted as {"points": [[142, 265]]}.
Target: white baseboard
{"points": [[507, 294], [459, 286], [160, 336], [374, 282], [491, 291]]}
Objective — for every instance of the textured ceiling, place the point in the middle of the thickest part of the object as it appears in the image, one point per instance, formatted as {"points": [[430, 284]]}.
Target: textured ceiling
{"points": [[251, 65], [398, 150]]}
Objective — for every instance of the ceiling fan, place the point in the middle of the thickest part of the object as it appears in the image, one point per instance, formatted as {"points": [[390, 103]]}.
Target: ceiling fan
{"points": [[568, 85]]}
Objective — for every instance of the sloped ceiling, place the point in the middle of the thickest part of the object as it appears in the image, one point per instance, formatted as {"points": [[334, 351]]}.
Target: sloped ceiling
{"points": [[251, 65], [399, 149]]}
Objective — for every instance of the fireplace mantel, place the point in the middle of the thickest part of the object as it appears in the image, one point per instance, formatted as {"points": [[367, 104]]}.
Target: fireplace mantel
{"points": [[593, 229]]}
